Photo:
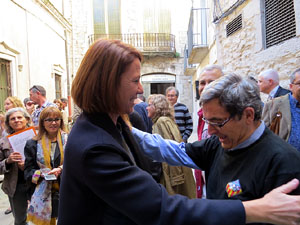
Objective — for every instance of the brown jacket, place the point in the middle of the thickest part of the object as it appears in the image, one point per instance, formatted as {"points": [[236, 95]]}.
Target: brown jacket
{"points": [[10, 172], [176, 179], [270, 109]]}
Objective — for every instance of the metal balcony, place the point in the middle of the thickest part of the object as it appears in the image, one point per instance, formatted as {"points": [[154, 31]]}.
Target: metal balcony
{"points": [[189, 69], [147, 43], [197, 35]]}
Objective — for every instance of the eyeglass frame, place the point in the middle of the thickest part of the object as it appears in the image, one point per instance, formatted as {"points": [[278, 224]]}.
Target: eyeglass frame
{"points": [[50, 120], [36, 88], [298, 84], [219, 125]]}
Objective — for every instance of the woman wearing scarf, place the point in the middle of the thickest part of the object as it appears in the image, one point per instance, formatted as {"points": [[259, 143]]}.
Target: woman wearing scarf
{"points": [[43, 166], [12, 165]]}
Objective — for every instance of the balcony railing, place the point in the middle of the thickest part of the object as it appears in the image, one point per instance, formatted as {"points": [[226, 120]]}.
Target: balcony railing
{"points": [[144, 42], [197, 33], [189, 69]]}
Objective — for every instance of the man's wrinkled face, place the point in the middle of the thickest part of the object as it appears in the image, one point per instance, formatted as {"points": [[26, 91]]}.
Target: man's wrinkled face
{"points": [[264, 85], [207, 77], [172, 97], [295, 87], [231, 130], [34, 96]]}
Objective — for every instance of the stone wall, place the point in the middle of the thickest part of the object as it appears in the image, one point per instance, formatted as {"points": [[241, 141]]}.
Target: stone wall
{"points": [[243, 51], [175, 66]]}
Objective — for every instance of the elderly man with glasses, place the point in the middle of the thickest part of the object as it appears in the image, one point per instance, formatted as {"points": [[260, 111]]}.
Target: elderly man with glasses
{"points": [[285, 111], [37, 95], [242, 159]]}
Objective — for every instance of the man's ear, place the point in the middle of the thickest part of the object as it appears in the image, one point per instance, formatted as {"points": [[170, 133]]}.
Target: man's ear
{"points": [[249, 114]]}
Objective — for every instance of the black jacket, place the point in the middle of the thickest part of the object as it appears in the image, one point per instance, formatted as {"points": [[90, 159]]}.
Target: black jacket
{"points": [[281, 91], [102, 185]]}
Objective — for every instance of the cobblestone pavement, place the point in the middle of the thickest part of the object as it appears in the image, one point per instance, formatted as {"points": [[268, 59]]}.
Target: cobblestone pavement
{"points": [[4, 204]]}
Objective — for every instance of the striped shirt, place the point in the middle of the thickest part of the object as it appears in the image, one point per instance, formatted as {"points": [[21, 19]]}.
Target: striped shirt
{"points": [[184, 120], [36, 114]]}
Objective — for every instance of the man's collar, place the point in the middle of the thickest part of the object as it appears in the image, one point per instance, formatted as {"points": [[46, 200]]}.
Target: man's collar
{"points": [[254, 137], [273, 92], [294, 101]]}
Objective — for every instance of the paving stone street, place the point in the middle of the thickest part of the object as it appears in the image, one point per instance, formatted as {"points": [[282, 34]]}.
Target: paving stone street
{"points": [[4, 204]]}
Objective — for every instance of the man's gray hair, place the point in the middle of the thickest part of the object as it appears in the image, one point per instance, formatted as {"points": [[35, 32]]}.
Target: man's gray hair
{"points": [[270, 74], [38, 88], [172, 88], [212, 67], [293, 75], [235, 94], [9, 129]]}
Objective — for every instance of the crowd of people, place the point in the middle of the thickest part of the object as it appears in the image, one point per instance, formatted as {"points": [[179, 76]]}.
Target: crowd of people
{"points": [[127, 159], [31, 196]]}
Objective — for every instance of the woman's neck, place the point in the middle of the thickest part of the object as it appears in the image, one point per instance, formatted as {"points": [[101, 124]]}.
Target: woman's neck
{"points": [[52, 137], [114, 117]]}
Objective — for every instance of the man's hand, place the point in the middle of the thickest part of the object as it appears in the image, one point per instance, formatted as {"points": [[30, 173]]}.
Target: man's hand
{"points": [[276, 207]]}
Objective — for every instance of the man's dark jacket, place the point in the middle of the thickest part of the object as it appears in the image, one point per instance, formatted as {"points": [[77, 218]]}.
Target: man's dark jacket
{"points": [[281, 91]]}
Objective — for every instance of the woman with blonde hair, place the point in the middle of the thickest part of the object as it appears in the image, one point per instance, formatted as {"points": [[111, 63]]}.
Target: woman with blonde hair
{"points": [[12, 102], [176, 179], [44, 157], [60, 106]]}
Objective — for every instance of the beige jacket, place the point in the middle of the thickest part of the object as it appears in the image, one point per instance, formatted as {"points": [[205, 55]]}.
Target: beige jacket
{"points": [[270, 109], [176, 179]]}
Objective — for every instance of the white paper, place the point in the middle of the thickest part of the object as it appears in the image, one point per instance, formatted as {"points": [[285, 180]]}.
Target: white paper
{"points": [[18, 141]]}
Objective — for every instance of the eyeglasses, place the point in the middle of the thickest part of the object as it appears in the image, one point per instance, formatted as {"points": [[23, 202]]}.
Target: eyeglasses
{"points": [[50, 120], [298, 84], [36, 88], [219, 125]]}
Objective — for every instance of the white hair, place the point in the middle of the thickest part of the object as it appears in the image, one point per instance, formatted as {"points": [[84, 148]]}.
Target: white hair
{"points": [[270, 74]]}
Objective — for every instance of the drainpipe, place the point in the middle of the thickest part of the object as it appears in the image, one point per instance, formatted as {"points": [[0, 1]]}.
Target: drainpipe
{"points": [[68, 73]]}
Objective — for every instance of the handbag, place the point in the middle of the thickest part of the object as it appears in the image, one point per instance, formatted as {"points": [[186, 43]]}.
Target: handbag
{"points": [[275, 123]]}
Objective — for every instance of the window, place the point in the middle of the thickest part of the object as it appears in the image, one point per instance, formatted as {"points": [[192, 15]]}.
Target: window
{"points": [[5, 85], [280, 21], [58, 86], [235, 25], [107, 17]]}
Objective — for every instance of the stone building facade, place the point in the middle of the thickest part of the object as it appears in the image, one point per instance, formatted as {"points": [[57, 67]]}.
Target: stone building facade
{"points": [[244, 51], [35, 40]]}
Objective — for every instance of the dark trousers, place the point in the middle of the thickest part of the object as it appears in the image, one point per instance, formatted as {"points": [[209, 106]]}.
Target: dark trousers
{"points": [[18, 204]]}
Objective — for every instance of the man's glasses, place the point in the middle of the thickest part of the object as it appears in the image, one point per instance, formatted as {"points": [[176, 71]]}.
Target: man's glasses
{"points": [[50, 120], [298, 83], [219, 125]]}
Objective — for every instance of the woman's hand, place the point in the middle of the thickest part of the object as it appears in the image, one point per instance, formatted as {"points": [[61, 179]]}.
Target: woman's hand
{"points": [[21, 165], [276, 207], [14, 157], [56, 171]]}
